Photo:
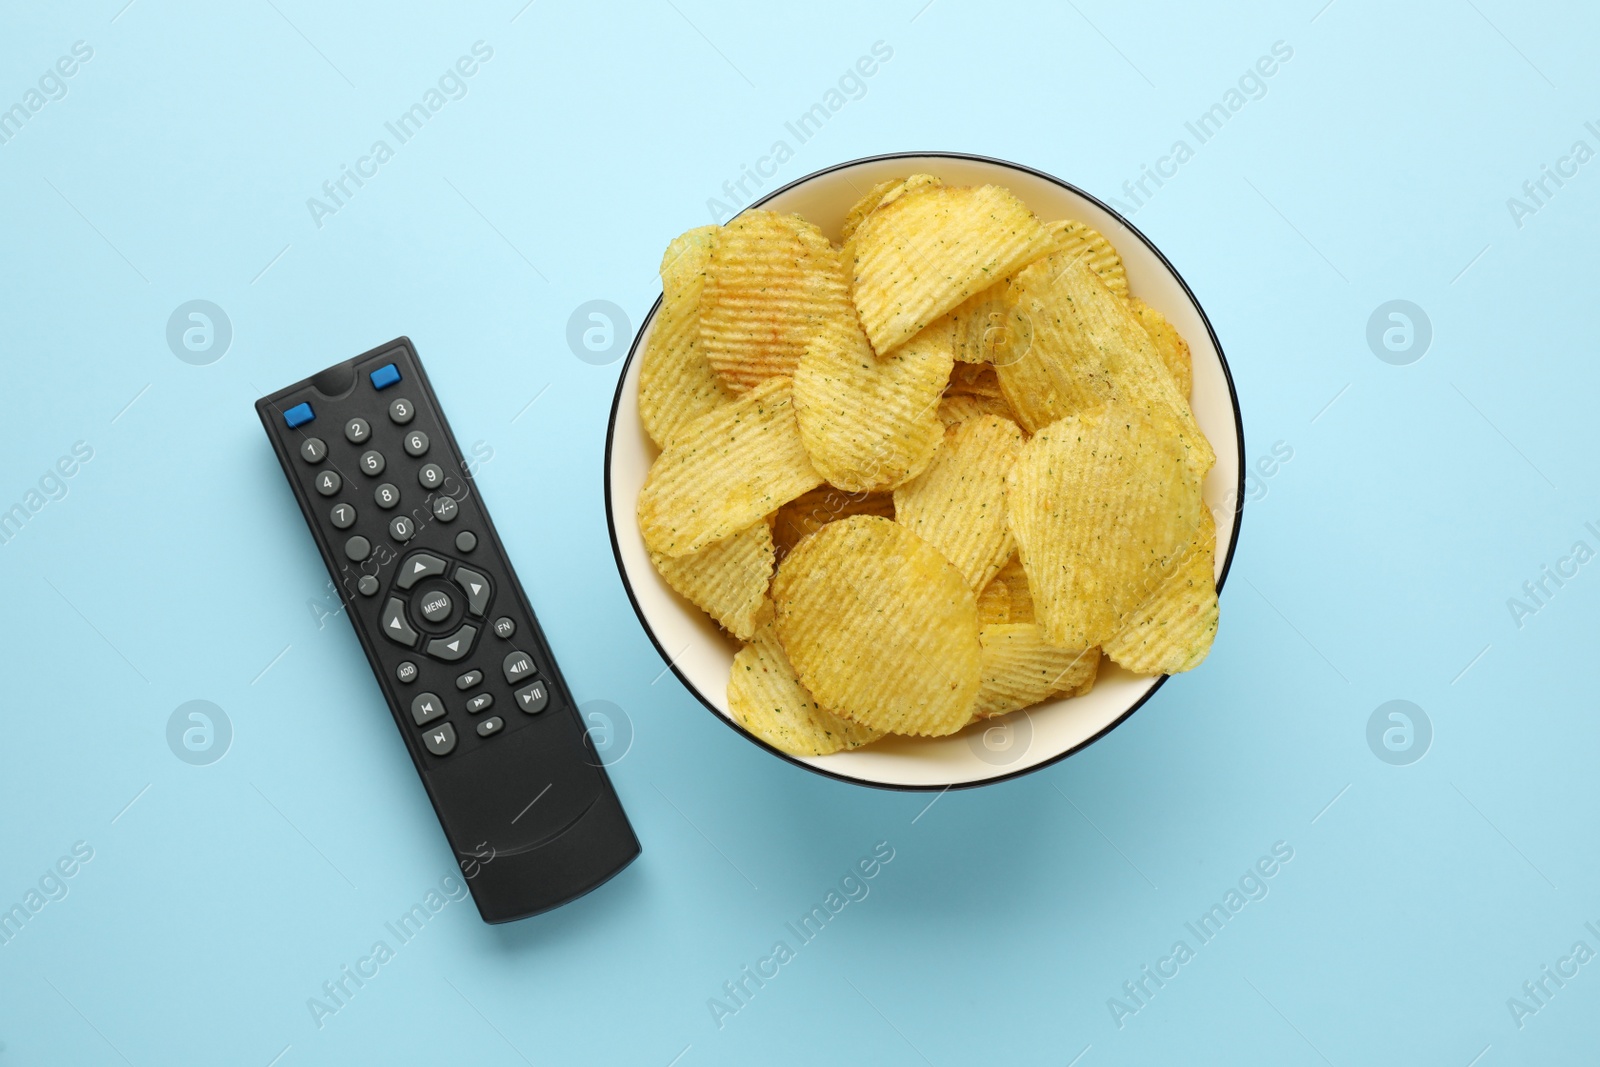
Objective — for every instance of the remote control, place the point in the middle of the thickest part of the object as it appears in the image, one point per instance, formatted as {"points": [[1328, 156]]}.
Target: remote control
{"points": [[513, 775]]}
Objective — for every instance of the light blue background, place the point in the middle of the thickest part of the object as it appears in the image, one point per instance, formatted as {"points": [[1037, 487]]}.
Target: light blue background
{"points": [[1377, 565]]}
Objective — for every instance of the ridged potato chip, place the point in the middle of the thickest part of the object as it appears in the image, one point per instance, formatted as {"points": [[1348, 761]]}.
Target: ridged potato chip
{"points": [[766, 698], [963, 406], [1085, 349], [771, 281], [727, 579], [881, 194], [1100, 504], [725, 471], [1170, 345], [676, 384], [810, 512], [1020, 668], [994, 603], [958, 504], [880, 627], [973, 380], [1172, 630], [1079, 241], [869, 423], [924, 252], [1019, 596]]}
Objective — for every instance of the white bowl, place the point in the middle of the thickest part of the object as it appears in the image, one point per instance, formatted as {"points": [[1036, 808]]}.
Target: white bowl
{"points": [[701, 655]]}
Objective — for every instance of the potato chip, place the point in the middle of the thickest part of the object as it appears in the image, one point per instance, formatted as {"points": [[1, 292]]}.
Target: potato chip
{"points": [[1080, 242], [727, 579], [771, 281], [869, 423], [1019, 596], [725, 471], [1020, 668], [924, 252], [1172, 630], [1169, 344], [880, 627], [973, 380], [881, 194], [676, 384], [994, 603], [810, 512], [1085, 348], [961, 407], [766, 698], [1101, 504], [958, 504]]}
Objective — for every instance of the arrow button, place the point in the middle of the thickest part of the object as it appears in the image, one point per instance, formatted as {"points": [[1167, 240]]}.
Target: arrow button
{"points": [[417, 566], [476, 586], [452, 647], [394, 624]]}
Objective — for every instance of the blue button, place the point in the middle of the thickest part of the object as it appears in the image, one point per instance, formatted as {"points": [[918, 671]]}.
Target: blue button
{"points": [[299, 415], [385, 376]]}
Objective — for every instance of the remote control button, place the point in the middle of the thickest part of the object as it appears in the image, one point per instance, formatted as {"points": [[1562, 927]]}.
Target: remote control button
{"points": [[477, 588], [328, 482], [401, 412], [431, 476], [466, 541], [394, 624], [417, 567], [385, 376], [441, 741], [505, 627], [426, 707], [313, 450], [468, 680], [386, 495], [298, 415], [452, 647], [481, 702], [416, 443], [532, 698], [357, 549], [436, 607], [368, 585], [357, 431], [402, 529], [517, 667], [406, 672], [343, 516], [445, 509], [492, 725], [372, 463]]}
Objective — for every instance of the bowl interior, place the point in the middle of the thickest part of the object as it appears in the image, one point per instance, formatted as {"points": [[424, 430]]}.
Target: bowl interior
{"points": [[702, 655]]}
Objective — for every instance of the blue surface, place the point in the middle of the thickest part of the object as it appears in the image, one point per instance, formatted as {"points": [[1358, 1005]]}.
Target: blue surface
{"points": [[160, 560]]}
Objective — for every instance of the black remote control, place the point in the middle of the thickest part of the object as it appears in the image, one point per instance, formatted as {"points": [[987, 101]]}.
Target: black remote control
{"points": [[512, 773]]}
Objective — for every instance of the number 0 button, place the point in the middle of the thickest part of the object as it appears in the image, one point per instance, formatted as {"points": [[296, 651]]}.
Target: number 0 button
{"points": [[431, 476], [416, 443], [357, 431], [402, 529]]}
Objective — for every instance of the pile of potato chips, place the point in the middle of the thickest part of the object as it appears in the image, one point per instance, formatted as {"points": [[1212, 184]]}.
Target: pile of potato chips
{"points": [[928, 477]]}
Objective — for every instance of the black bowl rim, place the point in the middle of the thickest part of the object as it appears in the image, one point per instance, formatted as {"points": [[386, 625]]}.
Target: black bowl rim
{"points": [[1227, 563]]}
